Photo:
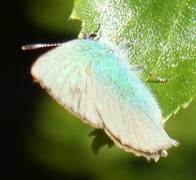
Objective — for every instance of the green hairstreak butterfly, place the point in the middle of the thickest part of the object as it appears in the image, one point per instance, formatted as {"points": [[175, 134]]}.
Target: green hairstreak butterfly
{"points": [[91, 79]]}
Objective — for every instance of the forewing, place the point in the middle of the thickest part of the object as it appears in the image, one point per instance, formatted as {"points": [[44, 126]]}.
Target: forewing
{"points": [[65, 72]]}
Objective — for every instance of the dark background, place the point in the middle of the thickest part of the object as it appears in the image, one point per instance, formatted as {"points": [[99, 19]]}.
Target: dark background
{"points": [[17, 94]]}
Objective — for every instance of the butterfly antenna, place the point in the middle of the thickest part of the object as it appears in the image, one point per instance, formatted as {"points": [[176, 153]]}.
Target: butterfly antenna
{"points": [[39, 46], [86, 17]]}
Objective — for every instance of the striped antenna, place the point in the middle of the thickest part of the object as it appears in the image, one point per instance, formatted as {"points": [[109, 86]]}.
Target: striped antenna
{"points": [[39, 46], [86, 18]]}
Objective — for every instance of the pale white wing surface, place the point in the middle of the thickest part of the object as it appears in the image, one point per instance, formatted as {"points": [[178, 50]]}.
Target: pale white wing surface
{"points": [[65, 72], [130, 115]]}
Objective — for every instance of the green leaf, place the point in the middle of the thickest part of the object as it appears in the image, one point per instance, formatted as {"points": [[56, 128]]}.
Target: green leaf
{"points": [[165, 34]]}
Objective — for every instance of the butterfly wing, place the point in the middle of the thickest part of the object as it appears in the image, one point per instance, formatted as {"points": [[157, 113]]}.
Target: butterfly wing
{"points": [[130, 115], [65, 72]]}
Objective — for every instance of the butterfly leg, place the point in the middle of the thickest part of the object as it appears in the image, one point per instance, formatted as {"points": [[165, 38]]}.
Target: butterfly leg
{"points": [[144, 68]]}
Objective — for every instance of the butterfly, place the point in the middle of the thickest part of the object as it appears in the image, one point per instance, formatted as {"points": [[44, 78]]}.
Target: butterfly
{"points": [[90, 78]]}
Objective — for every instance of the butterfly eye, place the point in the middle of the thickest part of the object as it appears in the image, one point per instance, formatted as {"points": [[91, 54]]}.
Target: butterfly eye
{"points": [[93, 37]]}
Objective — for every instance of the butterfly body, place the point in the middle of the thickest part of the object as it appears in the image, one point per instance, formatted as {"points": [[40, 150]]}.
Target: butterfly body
{"points": [[91, 79]]}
